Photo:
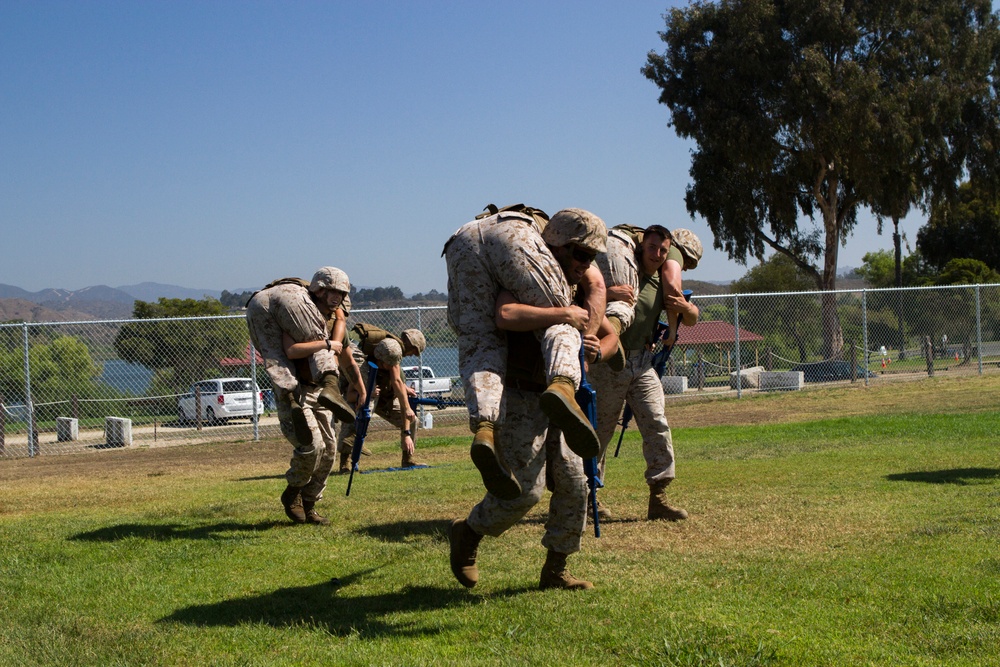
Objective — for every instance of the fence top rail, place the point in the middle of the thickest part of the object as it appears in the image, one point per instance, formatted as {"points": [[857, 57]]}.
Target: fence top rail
{"points": [[843, 291]]}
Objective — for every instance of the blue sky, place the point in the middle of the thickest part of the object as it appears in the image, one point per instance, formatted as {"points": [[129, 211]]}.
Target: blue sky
{"points": [[220, 145]]}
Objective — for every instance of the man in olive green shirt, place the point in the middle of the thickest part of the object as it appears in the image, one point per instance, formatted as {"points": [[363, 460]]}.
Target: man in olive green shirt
{"points": [[656, 287]]}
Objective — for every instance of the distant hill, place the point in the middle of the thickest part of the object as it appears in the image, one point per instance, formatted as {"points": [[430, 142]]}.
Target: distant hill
{"points": [[151, 292], [28, 311], [702, 288]]}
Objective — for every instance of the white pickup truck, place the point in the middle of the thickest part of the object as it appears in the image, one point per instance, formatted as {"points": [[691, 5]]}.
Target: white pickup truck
{"points": [[422, 379]]}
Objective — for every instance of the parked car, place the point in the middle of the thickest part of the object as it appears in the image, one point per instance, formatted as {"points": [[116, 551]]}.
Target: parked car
{"points": [[422, 379], [222, 399], [831, 371]]}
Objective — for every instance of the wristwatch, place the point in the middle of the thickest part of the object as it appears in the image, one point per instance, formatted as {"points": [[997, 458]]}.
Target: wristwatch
{"points": [[408, 432], [328, 346]]}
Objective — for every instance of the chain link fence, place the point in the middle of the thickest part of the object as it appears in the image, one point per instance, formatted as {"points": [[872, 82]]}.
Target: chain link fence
{"points": [[73, 386]]}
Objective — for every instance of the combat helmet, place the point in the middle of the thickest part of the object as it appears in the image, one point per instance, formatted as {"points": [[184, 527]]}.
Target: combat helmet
{"points": [[690, 247], [574, 225], [329, 277]]}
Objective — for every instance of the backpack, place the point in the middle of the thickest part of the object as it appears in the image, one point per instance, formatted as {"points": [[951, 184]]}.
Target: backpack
{"points": [[370, 335]]}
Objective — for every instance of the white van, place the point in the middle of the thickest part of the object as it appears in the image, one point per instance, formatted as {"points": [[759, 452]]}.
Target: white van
{"points": [[221, 399]]}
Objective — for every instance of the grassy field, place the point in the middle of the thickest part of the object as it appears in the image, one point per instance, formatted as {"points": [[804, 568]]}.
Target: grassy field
{"points": [[848, 526]]}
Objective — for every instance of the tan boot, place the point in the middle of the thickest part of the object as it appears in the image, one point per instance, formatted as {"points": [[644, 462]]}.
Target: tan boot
{"points": [[331, 398], [409, 461], [658, 507], [603, 513], [345, 463], [300, 426], [464, 544], [496, 478], [291, 499], [312, 516], [559, 404], [554, 574]]}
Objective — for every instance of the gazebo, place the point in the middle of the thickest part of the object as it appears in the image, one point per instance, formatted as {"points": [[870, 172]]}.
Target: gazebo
{"points": [[717, 339]]}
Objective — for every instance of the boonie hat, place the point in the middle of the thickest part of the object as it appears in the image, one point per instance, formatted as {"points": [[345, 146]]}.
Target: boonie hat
{"points": [[574, 225]]}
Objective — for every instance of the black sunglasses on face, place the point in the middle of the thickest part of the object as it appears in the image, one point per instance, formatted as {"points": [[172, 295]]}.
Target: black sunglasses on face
{"points": [[582, 255]]}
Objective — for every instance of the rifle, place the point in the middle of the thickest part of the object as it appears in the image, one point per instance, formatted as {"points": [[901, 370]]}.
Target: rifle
{"points": [[659, 365], [586, 398], [361, 421], [438, 403]]}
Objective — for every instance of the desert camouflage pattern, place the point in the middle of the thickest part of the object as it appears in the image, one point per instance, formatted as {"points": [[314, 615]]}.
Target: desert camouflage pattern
{"points": [[503, 251], [388, 352], [639, 384], [619, 267], [528, 447], [310, 466], [574, 225], [385, 406], [287, 308]]}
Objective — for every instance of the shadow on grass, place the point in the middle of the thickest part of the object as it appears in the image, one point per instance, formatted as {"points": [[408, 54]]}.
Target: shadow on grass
{"points": [[321, 605], [953, 476], [173, 532], [260, 478], [401, 531]]}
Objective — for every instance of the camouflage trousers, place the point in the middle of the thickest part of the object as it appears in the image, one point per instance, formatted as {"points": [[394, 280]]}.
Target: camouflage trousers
{"points": [[532, 451], [287, 309], [310, 465], [385, 407], [619, 267], [503, 251], [640, 386]]}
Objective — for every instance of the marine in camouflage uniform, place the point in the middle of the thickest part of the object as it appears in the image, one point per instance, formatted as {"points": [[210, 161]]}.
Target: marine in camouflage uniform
{"points": [[531, 447], [507, 249], [292, 313], [387, 355], [638, 383]]}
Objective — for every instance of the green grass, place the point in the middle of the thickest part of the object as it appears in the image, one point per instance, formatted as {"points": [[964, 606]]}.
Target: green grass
{"points": [[850, 541]]}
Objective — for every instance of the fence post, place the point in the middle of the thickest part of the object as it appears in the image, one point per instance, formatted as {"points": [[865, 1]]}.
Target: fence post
{"points": [[864, 332], [3, 428], [854, 361], [979, 330], [929, 355], [197, 408], [736, 339], [254, 419], [28, 404], [700, 372]]}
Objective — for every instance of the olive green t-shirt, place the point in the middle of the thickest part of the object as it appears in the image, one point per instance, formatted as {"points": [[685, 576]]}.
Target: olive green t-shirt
{"points": [[648, 307]]}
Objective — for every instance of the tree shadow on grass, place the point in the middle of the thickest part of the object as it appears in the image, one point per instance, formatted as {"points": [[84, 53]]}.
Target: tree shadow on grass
{"points": [[162, 532], [962, 476], [322, 605]]}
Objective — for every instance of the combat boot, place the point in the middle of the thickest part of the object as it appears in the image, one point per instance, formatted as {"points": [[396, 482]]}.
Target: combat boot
{"points": [[554, 574], [345, 463], [658, 507], [616, 361], [464, 544], [603, 513], [312, 516], [496, 478], [300, 425], [408, 461], [560, 406], [331, 398], [291, 499]]}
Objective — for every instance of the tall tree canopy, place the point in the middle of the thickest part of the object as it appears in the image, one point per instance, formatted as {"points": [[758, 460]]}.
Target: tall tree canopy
{"points": [[803, 111], [968, 227], [181, 350]]}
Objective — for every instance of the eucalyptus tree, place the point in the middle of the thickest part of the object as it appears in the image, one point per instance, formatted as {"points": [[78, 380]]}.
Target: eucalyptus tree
{"points": [[805, 111]]}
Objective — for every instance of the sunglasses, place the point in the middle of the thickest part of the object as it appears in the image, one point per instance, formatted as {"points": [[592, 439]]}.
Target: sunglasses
{"points": [[582, 255]]}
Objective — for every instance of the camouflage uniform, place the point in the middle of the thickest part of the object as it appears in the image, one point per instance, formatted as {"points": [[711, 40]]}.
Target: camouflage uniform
{"points": [[503, 251], [528, 446], [309, 467], [386, 406], [287, 308], [619, 267]]}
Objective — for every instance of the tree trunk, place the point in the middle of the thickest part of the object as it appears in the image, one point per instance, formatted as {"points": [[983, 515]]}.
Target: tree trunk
{"points": [[833, 335]]}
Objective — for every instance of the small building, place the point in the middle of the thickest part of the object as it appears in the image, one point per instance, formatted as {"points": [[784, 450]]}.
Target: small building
{"points": [[715, 342]]}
